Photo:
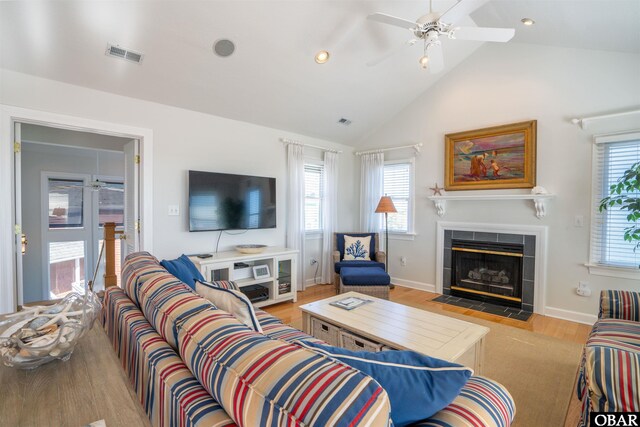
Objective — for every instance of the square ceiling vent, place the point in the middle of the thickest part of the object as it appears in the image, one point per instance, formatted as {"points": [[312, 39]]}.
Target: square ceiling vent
{"points": [[345, 122], [122, 53]]}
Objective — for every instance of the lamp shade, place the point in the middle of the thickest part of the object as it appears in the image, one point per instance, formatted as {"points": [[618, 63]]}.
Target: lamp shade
{"points": [[385, 205]]}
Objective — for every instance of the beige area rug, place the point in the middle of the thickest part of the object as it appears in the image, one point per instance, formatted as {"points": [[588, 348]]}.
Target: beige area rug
{"points": [[539, 371]]}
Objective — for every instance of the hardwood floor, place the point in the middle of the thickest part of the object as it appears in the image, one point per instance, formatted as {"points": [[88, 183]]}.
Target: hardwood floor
{"points": [[550, 326]]}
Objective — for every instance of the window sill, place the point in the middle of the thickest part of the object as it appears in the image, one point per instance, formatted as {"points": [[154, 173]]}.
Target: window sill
{"points": [[402, 236], [611, 271], [313, 235]]}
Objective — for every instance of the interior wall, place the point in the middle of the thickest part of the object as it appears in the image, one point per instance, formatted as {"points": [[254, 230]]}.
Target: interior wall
{"points": [[35, 159], [507, 83], [185, 140]]}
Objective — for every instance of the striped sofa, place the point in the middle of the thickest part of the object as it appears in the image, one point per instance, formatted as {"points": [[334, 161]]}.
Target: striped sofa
{"points": [[609, 378], [192, 364]]}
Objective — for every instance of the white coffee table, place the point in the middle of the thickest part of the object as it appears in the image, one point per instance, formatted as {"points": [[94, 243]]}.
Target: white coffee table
{"points": [[404, 328]]}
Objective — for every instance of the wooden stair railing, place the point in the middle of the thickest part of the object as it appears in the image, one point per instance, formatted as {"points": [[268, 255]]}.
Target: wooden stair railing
{"points": [[110, 278]]}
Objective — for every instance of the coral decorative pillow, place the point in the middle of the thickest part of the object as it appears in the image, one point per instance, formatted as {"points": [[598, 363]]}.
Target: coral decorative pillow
{"points": [[357, 248]]}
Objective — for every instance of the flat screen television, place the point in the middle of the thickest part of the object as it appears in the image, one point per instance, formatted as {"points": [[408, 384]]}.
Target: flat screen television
{"points": [[222, 201]]}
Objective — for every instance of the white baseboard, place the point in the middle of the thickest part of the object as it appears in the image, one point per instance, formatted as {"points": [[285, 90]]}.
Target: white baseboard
{"points": [[413, 285], [574, 316], [309, 283]]}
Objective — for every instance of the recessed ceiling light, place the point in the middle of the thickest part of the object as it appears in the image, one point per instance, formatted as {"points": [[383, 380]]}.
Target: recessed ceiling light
{"points": [[527, 21], [322, 57]]}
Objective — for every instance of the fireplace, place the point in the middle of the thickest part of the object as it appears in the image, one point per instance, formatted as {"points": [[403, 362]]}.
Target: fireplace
{"points": [[491, 271], [487, 271]]}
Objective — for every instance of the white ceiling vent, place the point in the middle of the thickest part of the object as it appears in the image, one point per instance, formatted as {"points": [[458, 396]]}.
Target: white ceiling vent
{"points": [[344, 121], [119, 52]]}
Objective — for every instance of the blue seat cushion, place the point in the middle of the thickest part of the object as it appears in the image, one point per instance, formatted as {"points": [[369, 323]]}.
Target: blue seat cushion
{"points": [[183, 269], [340, 243], [357, 263], [418, 386], [374, 276]]}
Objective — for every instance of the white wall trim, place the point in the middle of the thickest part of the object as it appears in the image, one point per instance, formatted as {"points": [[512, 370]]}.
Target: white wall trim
{"points": [[10, 115], [612, 271], [539, 231], [574, 316], [413, 285]]}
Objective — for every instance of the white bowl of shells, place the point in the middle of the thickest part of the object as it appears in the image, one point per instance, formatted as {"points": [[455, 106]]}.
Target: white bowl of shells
{"points": [[40, 334]]}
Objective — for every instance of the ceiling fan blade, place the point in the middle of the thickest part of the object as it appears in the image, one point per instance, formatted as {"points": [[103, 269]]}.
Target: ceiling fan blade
{"points": [[391, 20], [390, 53], [436, 61], [460, 10], [484, 34]]}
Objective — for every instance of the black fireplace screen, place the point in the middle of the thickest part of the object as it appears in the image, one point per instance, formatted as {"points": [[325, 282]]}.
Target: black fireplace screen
{"points": [[487, 269]]}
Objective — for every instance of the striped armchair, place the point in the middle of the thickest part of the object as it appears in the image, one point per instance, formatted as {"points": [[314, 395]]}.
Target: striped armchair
{"points": [[610, 371]]}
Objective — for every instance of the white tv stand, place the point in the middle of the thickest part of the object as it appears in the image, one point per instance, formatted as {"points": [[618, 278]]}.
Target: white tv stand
{"points": [[282, 280]]}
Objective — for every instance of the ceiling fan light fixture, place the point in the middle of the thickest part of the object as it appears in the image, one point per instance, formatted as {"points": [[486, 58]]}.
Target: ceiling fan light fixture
{"points": [[424, 61], [322, 57], [527, 21]]}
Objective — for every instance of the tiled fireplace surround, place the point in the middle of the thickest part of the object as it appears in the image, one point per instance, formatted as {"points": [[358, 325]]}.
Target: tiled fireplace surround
{"points": [[528, 273], [533, 237]]}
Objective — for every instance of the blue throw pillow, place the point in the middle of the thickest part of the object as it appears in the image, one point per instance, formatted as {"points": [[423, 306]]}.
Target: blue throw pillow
{"points": [[418, 386], [183, 269]]}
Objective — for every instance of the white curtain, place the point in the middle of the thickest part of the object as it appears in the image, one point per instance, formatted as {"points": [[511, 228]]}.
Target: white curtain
{"points": [[371, 189], [295, 207], [329, 213]]}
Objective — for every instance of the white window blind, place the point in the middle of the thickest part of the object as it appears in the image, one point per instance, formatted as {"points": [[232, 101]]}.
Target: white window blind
{"points": [[397, 185], [611, 159], [313, 191]]}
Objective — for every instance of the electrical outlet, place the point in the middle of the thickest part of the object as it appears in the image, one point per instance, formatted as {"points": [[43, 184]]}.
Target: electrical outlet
{"points": [[403, 261], [174, 210], [583, 289], [313, 261]]}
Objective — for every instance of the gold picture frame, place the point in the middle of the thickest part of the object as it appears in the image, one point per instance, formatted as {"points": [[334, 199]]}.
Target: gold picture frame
{"points": [[492, 158]]}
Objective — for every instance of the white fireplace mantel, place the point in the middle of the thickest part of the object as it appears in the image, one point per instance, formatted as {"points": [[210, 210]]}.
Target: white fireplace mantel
{"points": [[539, 201]]}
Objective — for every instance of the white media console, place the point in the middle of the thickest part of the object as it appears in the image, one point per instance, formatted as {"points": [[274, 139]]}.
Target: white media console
{"points": [[238, 267]]}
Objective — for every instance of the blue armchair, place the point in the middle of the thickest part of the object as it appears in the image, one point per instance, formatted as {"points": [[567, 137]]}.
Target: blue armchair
{"points": [[378, 258]]}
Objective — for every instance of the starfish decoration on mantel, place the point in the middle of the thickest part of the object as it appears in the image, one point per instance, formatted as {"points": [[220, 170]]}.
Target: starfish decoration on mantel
{"points": [[437, 191]]}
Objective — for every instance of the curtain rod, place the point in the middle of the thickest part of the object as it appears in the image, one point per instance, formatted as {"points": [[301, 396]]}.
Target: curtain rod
{"points": [[380, 150], [582, 122], [293, 141]]}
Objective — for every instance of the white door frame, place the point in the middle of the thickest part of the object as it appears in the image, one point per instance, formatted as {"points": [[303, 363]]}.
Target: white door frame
{"points": [[9, 115]]}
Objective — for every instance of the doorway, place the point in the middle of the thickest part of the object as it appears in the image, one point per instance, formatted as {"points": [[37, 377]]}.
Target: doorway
{"points": [[70, 184], [11, 118]]}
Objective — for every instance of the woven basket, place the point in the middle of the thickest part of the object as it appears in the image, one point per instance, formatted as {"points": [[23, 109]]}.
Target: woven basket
{"points": [[325, 331], [356, 343]]}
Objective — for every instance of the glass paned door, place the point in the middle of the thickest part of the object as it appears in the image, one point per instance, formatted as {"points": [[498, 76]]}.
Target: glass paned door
{"points": [[66, 233]]}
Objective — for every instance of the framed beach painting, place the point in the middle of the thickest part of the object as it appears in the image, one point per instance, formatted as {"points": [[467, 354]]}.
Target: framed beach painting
{"points": [[492, 158]]}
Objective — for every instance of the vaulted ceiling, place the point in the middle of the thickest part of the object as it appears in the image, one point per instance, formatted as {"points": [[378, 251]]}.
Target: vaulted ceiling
{"points": [[272, 79]]}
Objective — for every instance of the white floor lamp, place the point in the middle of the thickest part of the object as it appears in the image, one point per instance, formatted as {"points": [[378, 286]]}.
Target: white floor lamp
{"points": [[386, 206]]}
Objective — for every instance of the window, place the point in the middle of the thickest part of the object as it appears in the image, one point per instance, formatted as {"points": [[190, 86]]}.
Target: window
{"points": [[398, 184], [313, 192], [111, 203], [65, 203], [612, 156]]}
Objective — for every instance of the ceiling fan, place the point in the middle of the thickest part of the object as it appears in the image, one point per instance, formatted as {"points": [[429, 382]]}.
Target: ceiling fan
{"points": [[431, 26]]}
